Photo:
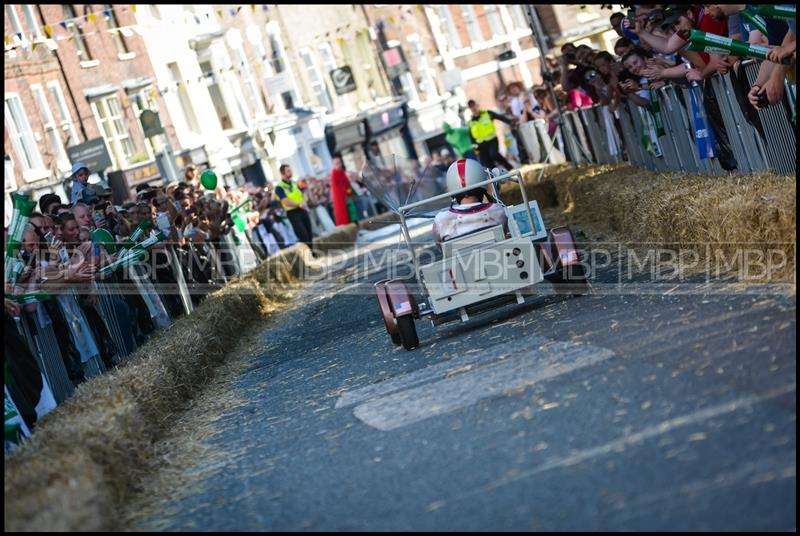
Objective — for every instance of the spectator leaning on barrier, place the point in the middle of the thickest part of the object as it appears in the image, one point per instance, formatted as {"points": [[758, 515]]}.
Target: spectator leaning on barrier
{"points": [[711, 20]]}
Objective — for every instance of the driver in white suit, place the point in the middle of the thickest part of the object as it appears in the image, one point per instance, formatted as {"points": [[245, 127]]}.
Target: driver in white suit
{"points": [[472, 210]]}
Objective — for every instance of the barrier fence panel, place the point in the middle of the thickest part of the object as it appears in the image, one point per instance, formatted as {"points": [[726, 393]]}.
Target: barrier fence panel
{"points": [[52, 357], [745, 162], [42, 342], [158, 313], [593, 131], [629, 138], [177, 272], [592, 135], [550, 152], [81, 335], [778, 129]]}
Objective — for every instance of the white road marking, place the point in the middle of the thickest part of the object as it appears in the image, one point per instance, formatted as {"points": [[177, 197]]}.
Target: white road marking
{"points": [[404, 401]]}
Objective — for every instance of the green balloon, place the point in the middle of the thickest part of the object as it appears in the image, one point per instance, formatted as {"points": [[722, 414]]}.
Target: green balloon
{"points": [[208, 179], [104, 238]]}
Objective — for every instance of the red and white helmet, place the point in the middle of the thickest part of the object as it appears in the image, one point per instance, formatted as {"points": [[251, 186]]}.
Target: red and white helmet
{"points": [[464, 173]]}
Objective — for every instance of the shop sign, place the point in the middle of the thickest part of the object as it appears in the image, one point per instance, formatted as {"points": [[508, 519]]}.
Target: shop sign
{"points": [[381, 121], [343, 80], [93, 153], [151, 123], [393, 60]]}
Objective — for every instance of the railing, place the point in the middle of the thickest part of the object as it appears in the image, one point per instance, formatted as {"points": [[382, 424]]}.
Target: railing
{"points": [[759, 140], [72, 341]]}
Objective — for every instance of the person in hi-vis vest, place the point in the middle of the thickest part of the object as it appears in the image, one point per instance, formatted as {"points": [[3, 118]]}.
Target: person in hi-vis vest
{"points": [[483, 133], [293, 202]]}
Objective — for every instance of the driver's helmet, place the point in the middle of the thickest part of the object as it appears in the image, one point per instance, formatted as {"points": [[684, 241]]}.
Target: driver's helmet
{"points": [[463, 173]]}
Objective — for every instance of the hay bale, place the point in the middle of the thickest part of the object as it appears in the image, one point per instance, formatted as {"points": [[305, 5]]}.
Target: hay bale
{"points": [[342, 237], [90, 455], [684, 210]]}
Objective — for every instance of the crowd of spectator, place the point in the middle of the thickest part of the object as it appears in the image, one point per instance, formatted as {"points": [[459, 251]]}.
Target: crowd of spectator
{"points": [[99, 315], [652, 51]]}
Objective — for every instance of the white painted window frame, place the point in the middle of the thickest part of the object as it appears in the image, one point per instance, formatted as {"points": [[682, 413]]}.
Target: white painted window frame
{"points": [[63, 110], [50, 127], [315, 78], [22, 139], [119, 156]]}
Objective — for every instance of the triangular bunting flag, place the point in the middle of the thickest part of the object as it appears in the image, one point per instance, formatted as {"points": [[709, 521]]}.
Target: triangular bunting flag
{"points": [[63, 24], [253, 7], [107, 13], [48, 30], [5, 38], [133, 8], [92, 18], [219, 13]]}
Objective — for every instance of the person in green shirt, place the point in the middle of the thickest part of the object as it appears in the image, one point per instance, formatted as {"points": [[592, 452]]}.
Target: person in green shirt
{"points": [[459, 140]]}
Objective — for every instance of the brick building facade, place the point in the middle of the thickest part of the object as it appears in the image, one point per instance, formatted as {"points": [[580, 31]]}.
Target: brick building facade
{"points": [[77, 73]]}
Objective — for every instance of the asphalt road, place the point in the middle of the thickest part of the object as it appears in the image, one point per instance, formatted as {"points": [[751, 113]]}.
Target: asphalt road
{"points": [[613, 411]]}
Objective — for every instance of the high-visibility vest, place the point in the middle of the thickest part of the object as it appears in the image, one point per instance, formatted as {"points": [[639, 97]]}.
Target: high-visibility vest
{"points": [[482, 129], [293, 193]]}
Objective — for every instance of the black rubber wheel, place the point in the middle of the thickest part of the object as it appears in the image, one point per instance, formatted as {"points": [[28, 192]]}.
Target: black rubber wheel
{"points": [[396, 339], [576, 285], [408, 332]]}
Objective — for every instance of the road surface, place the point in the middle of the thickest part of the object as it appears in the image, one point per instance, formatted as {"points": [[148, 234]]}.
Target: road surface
{"points": [[613, 411]]}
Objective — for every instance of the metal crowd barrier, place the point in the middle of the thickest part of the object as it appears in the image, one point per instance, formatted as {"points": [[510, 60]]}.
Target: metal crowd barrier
{"points": [[43, 345], [591, 135], [48, 349]]}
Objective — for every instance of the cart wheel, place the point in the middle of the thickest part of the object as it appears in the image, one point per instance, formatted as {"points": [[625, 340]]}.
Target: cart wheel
{"points": [[576, 285], [386, 312], [408, 332]]}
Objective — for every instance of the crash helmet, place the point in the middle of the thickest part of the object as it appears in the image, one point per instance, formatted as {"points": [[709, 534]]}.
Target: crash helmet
{"points": [[463, 173]]}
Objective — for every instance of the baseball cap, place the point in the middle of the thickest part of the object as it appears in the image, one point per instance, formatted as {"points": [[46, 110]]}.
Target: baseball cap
{"points": [[77, 166]]}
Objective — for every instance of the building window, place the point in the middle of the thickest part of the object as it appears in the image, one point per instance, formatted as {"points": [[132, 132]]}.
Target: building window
{"points": [[50, 127], [16, 25], [251, 91], [65, 119], [473, 28], [183, 98], [77, 34], [214, 91], [141, 100], [116, 36], [276, 58], [279, 65], [493, 18], [427, 75], [30, 18], [323, 98], [449, 26], [108, 114], [519, 17], [21, 136]]}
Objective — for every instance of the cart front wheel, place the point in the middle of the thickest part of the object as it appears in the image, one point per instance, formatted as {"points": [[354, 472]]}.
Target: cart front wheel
{"points": [[408, 332]]}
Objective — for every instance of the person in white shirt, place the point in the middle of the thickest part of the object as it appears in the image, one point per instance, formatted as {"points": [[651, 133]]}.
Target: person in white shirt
{"points": [[472, 209]]}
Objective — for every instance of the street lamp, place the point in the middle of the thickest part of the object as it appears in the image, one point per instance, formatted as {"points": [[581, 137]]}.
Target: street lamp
{"points": [[538, 33]]}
